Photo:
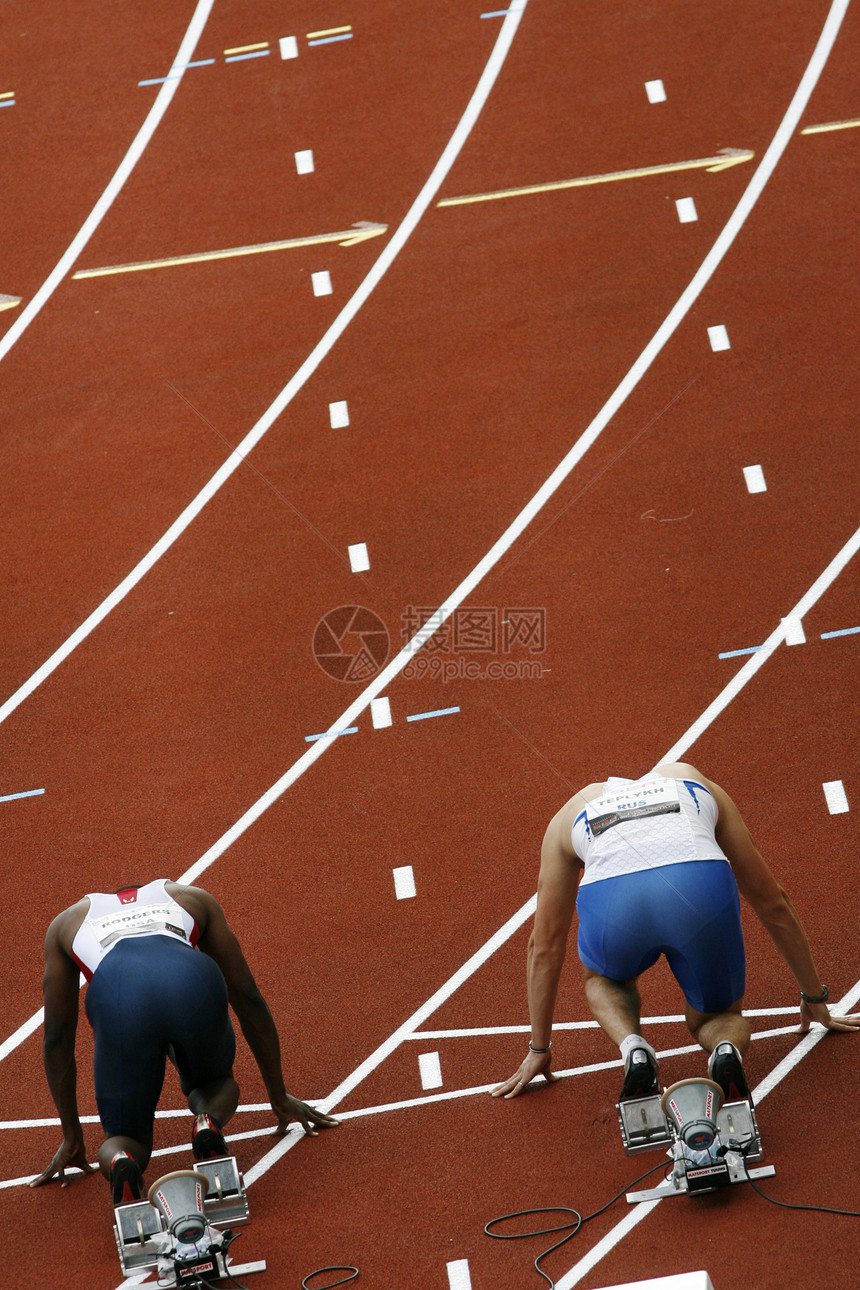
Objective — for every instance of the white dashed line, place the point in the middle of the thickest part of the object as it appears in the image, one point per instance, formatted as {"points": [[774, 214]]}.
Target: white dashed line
{"points": [[458, 1275], [754, 479], [380, 713], [404, 882], [430, 1070], [321, 283], [834, 795], [359, 560], [719, 338], [686, 208], [289, 47], [655, 91], [338, 415], [794, 633], [305, 162]]}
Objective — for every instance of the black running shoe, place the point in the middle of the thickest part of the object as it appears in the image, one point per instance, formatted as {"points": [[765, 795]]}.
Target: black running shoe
{"points": [[726, 1069], [207, 1140], [126, 1180], [640, 1075]]}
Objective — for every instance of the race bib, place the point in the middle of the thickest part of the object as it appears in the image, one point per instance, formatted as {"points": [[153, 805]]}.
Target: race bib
{"points": [[630, 802], [144, 921]]}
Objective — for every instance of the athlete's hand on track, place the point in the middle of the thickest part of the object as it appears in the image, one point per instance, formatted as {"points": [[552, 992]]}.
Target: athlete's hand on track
{"points": [[533, 1064], [71, 1155], [290, 1108], [820, 1012]]}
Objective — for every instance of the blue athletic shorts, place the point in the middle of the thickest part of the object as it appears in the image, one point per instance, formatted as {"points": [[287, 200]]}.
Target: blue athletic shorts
{"points": [[148, 993], [689, 912]]}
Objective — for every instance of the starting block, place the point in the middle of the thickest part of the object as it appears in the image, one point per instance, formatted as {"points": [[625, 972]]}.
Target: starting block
{"points": [[709, 1141], [176, 1232]]}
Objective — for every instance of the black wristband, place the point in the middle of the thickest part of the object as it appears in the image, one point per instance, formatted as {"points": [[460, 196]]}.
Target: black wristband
{"points": [[816, 998], [540, 1050]]}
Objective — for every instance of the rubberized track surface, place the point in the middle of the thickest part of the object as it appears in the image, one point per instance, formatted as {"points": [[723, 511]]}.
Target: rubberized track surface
{"points": [[493, 341]]}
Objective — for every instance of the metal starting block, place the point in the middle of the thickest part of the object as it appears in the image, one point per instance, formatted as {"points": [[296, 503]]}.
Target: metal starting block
{"points": [[176, 1232], [707, 1140]]}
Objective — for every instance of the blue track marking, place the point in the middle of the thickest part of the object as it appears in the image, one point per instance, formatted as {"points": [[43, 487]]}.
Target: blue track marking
{"points": [[733, 653], [13, 797], [496, 13], [424, 716], [8, 103], [845, 631], [330, 40], [240, 58], [335, 734]]}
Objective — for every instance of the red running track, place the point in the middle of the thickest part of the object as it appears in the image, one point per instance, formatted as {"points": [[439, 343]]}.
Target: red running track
{"points": [[490, 345]]}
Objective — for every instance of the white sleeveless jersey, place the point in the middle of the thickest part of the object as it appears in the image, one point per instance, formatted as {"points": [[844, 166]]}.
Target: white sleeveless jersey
{"points": [[133, 911], [645, 823]]}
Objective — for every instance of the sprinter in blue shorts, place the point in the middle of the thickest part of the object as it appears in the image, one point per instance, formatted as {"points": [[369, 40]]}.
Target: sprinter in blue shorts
{"points": [[161, 964], [653, 866]]}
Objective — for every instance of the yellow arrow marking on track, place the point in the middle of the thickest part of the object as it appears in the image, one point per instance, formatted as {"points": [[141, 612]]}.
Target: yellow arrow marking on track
{"points": [[831, 125], [360, 232], [9, 302], [725, 158]]}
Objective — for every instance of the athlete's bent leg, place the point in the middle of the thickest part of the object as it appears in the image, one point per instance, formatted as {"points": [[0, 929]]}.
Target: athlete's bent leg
{"points": [[138, 1149], [712, 1028], [615, 1005], [219, 1098]]}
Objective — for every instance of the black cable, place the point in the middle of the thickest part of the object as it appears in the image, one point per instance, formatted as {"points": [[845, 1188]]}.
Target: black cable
{"points": [[784, 1204], [559, 1209], [347, 1267]]}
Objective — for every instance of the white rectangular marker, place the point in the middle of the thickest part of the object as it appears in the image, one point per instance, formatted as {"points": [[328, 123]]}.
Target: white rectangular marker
{"points": [[754, 477], [430, 1070], [289, 47], [321, 283], [834, 795], [686, 1281], [458, 1275], [686, 208], [794, 633], [359, 561], [338, 414], [404, 882], [655, 91], [719, 338], [305, 162], [380, 713]]}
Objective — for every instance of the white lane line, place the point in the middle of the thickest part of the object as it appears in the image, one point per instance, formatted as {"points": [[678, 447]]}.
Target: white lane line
{"points": [[767, 1085], [305, 162], [126, 166], [656, 91], [754, 479], [719, 338], [338, 414], [359, 560], [380, 713], [481, 93], [430, 1070], [675, 1019], [404, 884], [321, 283], [30, 792], [686, 208], [835, 796]]}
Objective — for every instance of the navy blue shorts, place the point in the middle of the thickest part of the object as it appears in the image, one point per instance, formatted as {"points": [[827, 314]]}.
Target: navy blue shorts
{"points": [[689, 912], [151, 992]]}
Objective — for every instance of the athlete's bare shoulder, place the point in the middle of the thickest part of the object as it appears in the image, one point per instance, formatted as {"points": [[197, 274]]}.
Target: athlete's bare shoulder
{"points": [[64, 927], [200, 904]]}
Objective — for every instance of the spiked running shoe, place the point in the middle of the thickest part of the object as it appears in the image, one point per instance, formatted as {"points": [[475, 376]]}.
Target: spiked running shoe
{"points": [[640, 1075], [207, 1140], [726, 1069], [126, 1180]]}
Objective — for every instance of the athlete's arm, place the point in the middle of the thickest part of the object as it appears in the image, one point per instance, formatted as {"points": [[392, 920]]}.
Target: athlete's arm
{"points": [[772, 905], [219, 941], [61, 986], [557, 884]]}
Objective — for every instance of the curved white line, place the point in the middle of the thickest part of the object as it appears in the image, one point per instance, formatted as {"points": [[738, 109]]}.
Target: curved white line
{"points": [[308, 367], [147, 130]]}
